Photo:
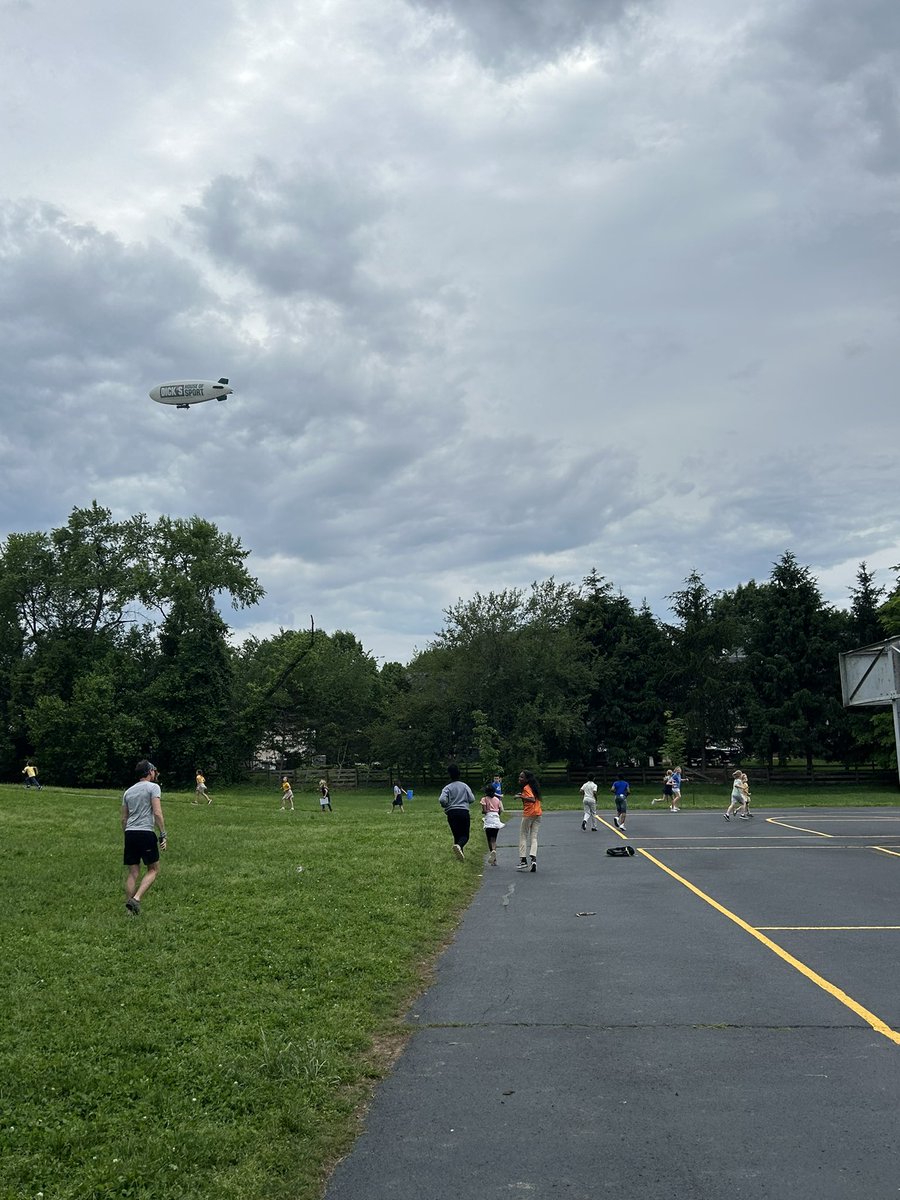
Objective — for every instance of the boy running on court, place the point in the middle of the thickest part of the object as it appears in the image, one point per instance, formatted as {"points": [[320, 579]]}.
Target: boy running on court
{"points": [[589, 803], [620, 791]]}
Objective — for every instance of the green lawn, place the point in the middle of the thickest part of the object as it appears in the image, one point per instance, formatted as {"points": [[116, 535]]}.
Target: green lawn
{"points": [[221, 1043]]}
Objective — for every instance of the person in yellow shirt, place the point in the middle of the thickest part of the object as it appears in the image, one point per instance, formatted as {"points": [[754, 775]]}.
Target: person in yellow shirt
{"points": [[201, 789], [287, 793], [31, 776]]}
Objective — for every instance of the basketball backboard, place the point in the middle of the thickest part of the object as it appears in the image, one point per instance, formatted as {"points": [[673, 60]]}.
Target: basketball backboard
{"points": [[870, 676]]}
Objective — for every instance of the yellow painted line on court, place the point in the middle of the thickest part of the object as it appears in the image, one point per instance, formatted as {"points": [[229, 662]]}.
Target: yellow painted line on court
{"points": [[794, 847], [875, 1022], [800, 828], [884, 850], [816, 928], [859, 817]]}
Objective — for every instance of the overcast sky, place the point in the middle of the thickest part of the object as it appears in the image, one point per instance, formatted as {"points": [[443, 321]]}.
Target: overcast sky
{"points": [[504, 289]]}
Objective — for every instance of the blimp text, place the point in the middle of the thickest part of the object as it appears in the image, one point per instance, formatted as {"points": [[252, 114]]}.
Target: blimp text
{"points": [[173, 390]]}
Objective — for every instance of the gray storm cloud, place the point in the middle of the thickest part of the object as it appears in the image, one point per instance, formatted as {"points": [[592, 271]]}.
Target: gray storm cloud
{"points": [[503, 290]]}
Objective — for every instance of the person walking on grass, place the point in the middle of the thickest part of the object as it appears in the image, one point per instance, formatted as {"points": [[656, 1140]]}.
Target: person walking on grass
{"points": [[287, 793], [589, 803], [31, 776], [491, 808], [200, 790], [397, 802], [142, 815], [324, 796], [530, 795], [455, 800], [620, 791]]}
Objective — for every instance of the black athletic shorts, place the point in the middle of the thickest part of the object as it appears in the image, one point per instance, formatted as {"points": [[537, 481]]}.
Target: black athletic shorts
{"points": [[140, 844]]}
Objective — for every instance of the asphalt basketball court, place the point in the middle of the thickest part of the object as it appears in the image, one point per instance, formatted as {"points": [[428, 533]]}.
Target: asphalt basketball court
{"points": [[716, 1016]]}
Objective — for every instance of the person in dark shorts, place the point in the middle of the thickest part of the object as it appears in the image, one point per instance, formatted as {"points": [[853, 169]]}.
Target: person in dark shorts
{"points": [[399, 795], [142, 815]]}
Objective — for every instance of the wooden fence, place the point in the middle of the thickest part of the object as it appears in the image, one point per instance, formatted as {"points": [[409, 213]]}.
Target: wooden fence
{"points": [[341, 778]]}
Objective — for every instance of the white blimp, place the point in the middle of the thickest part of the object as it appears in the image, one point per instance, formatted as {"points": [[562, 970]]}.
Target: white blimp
{"points": [[185, 392]]}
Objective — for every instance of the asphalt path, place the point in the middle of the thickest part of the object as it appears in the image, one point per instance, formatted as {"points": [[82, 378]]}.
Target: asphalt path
{"points": [[715, 1017]]}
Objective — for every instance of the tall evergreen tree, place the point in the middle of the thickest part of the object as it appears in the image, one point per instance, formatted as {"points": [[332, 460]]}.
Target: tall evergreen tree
{"points": [[625, 656], [865, 625], [701, 683], [794, 640]]}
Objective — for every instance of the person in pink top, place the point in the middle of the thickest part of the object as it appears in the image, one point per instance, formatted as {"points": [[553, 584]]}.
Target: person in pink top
{"points": [[491, 808]]}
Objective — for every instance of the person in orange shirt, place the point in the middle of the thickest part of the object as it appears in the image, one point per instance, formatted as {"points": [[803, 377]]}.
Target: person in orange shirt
{"points": [[530, 795]]}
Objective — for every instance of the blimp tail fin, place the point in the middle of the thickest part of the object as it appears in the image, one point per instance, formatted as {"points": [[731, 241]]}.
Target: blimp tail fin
{"points": [[223, 381]]}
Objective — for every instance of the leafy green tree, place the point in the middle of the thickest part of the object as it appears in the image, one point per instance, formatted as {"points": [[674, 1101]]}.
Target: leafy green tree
{"points": [[310, 694], [93, 737], [516, 657], [82, 597], [486, 740], [190, 697], [889, 613], [675, 742]]}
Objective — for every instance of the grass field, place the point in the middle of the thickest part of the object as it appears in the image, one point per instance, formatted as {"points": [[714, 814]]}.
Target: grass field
{"points": [[221, 1043]]}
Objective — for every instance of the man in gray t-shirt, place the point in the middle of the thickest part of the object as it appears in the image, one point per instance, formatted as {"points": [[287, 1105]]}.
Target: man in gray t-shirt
{"points": [[142, 815]]}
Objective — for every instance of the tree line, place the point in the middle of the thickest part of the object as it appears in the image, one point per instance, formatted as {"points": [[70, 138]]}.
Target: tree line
{"points": [[113, 646]]}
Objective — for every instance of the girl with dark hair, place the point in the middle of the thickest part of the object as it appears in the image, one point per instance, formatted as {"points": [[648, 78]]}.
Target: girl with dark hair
{"points": [[491, 807], [530, 795]]}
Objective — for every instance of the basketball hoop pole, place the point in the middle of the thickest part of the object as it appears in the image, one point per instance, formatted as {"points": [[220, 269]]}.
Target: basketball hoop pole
{"points": [[895, 705]]}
